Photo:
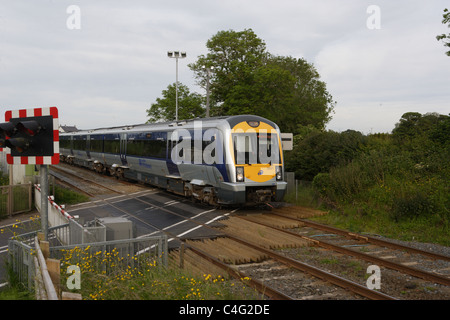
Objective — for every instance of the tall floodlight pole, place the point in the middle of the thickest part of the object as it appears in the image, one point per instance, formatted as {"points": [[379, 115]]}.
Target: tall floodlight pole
{"points": [[177, 55], [208, 76]]}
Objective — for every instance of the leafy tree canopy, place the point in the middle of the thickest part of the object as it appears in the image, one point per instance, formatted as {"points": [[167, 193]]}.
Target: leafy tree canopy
{"points": [[189, 105], [248, 79], [445, 37]]}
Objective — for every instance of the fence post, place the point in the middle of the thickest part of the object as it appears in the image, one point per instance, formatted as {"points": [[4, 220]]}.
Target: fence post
{"points": [[10, 201], [166, 252], [51, 292], [30, 198], [39, 282], [182, 256], [44, 198], [54, 271]]}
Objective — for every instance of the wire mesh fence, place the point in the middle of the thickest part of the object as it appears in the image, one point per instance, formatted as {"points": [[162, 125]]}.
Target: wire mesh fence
{"points": [[104, 257]]}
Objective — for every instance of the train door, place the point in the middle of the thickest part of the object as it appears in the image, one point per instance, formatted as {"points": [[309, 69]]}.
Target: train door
{"points": [[172, 167], [123, 149], [88, 147]]}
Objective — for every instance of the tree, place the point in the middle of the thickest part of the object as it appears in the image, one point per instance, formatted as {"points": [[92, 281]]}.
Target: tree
{"points": [[320, 150], [406, 128], [189, 105], [235, 55], [445, 38], [248, 79], [413, 124], [290, 92]]}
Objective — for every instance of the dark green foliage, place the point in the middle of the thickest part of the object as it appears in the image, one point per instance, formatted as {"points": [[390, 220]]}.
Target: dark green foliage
{"points": [[189, 105], [404, 173], [322, 150], [412, 205], [445, 38], [249, 80], [4, 180]]}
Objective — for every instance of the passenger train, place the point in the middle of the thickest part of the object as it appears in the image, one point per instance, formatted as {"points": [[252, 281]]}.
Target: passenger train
{"points": [[232, 160]]}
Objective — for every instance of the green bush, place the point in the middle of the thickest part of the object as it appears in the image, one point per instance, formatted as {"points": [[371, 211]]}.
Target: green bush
{"points": [[321, 183], [412, 205]]}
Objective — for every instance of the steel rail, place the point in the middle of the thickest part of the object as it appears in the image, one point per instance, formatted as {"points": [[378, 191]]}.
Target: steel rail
{"points": [[379, 261], [71, 184], [85, 179], [346, 284], [268, 291], [341, 282], [367, 238]]}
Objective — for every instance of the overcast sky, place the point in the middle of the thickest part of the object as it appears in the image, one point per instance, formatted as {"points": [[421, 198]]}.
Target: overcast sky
{"points": [[379, 59]]}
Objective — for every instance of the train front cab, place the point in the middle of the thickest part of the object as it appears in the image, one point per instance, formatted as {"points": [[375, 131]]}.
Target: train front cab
{"points": [[256, 164]]}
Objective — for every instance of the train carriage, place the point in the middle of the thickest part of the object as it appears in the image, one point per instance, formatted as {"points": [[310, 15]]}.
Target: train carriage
{"points": [[223, 160]]}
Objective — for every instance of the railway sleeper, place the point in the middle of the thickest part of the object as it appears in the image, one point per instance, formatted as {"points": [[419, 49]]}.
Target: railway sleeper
{"points": [[229, 251], [261, 235]]}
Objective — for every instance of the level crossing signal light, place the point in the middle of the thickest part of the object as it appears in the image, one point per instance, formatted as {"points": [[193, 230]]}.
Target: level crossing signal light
{"points": [[31, 136]]}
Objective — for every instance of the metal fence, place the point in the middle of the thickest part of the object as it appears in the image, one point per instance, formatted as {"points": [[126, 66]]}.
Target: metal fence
{"points": [[21, 249], [79, 234], [132, 252], [15, 199]]}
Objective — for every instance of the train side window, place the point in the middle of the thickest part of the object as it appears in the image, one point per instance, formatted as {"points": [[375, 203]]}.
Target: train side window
{"points": [[112, 146], [96, 143], [79, 143], [64, 143], [147, 148]]}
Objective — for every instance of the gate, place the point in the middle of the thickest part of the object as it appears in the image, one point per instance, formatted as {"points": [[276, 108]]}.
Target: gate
{"points": [[15, 199]]}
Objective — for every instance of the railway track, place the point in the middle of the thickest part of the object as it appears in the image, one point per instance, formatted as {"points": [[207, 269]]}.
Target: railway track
{"points": [[400, 279], [236, 251], [220, 250], [83, 181], [209, 261], [285, 238], [295, 214], [373, 259]]}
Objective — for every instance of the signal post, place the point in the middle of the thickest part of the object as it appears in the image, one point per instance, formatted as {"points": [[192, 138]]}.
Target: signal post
{"points": [[31, 136]]}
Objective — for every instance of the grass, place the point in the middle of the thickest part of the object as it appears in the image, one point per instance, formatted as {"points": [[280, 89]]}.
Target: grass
{"points": [[374, 216], [15, 293], [66, 196], [14, 290], [104, 276]]}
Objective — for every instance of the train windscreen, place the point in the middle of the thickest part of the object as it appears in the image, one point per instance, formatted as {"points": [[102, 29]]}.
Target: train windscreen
{"points": [[256, 148]]}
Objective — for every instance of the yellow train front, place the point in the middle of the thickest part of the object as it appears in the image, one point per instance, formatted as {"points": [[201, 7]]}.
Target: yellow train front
{"points": [[254, 160]]}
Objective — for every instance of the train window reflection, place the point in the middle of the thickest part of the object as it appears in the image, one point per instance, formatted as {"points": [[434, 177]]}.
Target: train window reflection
{"points": [[256, 148]]}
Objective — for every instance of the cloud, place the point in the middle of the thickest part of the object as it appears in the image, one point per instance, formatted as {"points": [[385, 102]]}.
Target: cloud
{"points": [[111, 70], [377, 75]]}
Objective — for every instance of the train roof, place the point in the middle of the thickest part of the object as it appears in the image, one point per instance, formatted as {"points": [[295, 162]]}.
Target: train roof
{"points": [[210, 122]]}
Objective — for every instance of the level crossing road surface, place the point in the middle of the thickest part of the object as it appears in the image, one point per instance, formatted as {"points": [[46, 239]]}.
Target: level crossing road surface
{"points": [[155, 211]]}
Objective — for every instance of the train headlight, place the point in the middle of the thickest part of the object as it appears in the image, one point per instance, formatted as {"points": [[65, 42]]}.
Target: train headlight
{"points": [[239, 174], [278, 173]]}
